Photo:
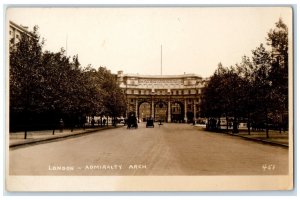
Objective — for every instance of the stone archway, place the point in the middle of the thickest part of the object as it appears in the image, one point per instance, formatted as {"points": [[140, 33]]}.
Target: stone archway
{"points": [[144, 111], [161, 111], [177, 112]]}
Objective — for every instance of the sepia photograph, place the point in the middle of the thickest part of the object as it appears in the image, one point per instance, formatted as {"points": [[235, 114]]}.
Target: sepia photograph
{"points": [[149, 98]]}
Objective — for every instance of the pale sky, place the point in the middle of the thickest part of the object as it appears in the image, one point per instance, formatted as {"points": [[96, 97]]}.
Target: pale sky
{"points": [[194, 40]]}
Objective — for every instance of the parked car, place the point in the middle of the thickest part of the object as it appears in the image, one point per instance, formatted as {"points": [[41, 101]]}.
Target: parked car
{"points": [[150, 123]]}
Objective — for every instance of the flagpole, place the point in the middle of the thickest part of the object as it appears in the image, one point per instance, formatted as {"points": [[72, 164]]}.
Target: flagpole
{"points": [[67, 45], [160, 59]]}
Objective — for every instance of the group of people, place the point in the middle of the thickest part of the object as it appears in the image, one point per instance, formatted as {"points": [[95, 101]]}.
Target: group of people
{"points": [[98, 121]]}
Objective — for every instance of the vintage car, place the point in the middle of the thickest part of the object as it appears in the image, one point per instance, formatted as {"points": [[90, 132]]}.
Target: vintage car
{"points": [[132, 122], [150, 123]]}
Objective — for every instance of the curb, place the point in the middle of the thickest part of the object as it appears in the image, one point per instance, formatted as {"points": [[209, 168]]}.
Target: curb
{"points": [[256, 140], [259, 140], [263, 141], [52, 139]]}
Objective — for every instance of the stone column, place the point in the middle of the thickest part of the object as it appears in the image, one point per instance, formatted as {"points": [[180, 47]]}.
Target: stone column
{"points": [[128, 107], [185, 108], [199, 102], [152, 109], [195, 110], [169, 111], [136, 107]]}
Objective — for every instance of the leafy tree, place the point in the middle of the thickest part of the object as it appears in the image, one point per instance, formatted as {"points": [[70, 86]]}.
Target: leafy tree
{"points": [[61, 86], [232, 87], [113, 99], [278, 40], [25, 80], [245, 71], [46, 87], [256, 89], [223, 96], [262, 84], [93, 104]]}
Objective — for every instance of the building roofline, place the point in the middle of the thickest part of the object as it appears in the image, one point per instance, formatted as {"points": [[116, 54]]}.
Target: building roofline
{"points": [[162, 76], [22, 28]]}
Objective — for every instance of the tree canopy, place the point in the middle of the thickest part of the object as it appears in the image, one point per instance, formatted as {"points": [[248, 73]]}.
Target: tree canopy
{"points": [[255, 89], [48, 86]]}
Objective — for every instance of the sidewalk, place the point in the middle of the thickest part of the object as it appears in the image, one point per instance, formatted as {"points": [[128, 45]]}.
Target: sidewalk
{"points": [[16, 139], [275, 137]]}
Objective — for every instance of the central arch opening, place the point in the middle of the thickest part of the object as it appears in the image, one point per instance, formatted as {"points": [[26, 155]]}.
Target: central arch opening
{"points": [[161, 111], [177, 112]]}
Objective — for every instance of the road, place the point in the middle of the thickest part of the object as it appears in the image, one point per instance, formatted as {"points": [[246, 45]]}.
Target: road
{"points": [[171, 149]]}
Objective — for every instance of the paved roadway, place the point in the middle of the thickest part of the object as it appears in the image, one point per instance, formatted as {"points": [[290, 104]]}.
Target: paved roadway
{"points": [[172, 149]]}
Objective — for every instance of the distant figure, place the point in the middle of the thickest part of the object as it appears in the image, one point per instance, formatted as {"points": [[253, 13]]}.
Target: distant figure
{"points": [[104, 122], [93, 122], [160, 122], [61, 125]]}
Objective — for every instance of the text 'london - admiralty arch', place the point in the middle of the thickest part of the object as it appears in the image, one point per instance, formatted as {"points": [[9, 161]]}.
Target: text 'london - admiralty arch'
{"points": [[169, 98]]}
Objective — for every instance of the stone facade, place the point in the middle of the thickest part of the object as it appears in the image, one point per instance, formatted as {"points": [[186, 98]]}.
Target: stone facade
{"points": [[16, 32], [169, 98]]}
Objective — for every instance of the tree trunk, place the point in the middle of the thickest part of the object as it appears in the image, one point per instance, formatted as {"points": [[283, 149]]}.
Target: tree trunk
{"points": [[248, 124], [235, 129], [279, 127], [83, 122], [227, 123], [26, 126], [26, 121], [281, 123], [72, 124], [267, 126]]}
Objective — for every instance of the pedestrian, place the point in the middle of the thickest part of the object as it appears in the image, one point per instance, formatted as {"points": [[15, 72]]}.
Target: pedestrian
{"points": [[93, 122], [219, 124], [61, 125]]}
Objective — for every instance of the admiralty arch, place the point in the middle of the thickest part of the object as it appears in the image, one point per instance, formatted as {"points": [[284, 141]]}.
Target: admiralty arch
{"points": [[169, 98]]}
